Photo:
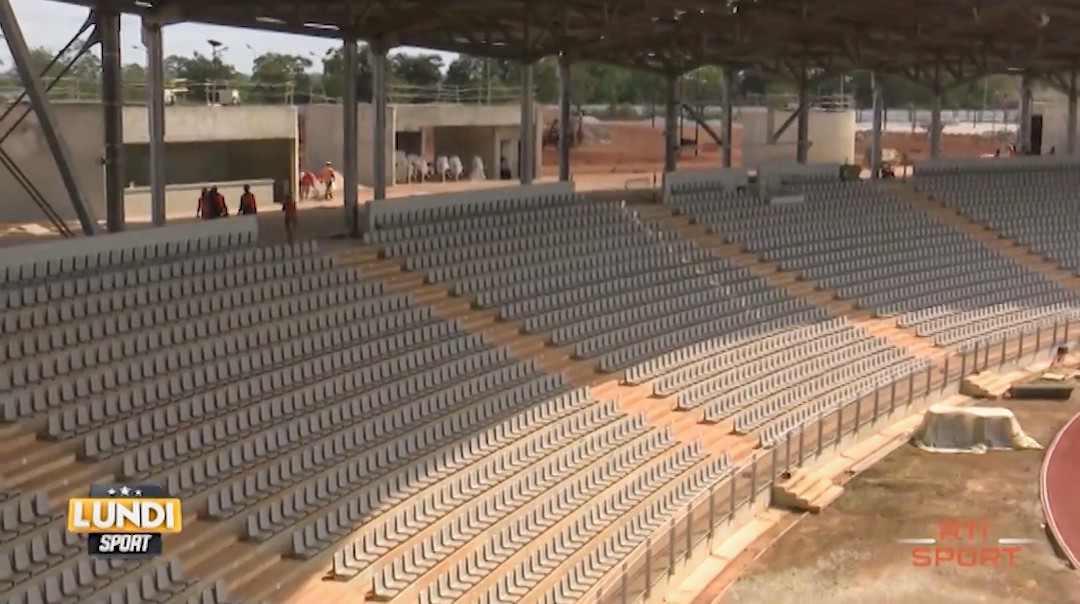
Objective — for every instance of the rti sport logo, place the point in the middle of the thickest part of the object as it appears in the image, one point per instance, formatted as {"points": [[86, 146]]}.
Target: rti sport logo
{"points": [[123, 520], [963, 543]]}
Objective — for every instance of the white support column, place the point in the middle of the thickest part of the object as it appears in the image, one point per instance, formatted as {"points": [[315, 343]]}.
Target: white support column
{"points": [[878, 125], [527, 155], [350, 136], [155, 105]]}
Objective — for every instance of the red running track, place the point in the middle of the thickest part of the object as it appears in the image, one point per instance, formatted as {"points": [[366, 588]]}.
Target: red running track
{"points": [[1061, 490]]}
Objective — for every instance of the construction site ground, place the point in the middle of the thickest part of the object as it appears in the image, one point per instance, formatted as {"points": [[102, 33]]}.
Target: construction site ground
{"points": [[849, 553], [613, 147]]}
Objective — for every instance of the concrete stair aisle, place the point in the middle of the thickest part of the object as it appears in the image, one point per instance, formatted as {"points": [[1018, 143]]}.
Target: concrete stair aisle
{"points": [[788, 281], [632, 399], [1021, 254], [805, 491]]}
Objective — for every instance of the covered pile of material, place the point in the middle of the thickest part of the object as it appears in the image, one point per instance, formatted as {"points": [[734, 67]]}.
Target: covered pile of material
{"points": [[949, 429]]}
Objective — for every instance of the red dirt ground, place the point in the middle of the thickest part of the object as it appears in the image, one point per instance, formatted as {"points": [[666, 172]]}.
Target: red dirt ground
{"points": [[639, 148], [1061, 490]]}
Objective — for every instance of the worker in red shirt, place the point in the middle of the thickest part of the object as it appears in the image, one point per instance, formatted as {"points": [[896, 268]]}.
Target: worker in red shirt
{"points": [[247, 202], [203, 210], [307, 184], [289, 208]]}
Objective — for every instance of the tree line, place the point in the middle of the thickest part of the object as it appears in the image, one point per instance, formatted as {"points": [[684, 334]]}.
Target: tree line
{"points": [[277, 77]]}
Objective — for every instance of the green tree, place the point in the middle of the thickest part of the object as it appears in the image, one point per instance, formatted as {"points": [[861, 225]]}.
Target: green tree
{"points": [[205, 77], [280, 78]]}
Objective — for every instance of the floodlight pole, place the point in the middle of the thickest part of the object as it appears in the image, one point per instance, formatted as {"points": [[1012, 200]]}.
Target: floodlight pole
{"points": [[878, 124], [112, 101], [155, 116], [729, 104], [566, 129], [1070, 133], [672, 136], [934, 135]]}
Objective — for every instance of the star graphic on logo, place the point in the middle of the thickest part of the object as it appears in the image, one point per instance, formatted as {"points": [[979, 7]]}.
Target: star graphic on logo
{"points": [[138, 493], [111, 491], [125, 491]]}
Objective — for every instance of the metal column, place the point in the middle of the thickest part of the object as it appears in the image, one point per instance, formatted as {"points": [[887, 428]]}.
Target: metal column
{"points": [[20, 56], [729, 118], [155, 103], [112, 101], [527, 157], [1023, 134], [802, 125], [566, 127], [672, 135], [379, 103], [875, 132], [934, 135], [1070, 120], [349, 136]]}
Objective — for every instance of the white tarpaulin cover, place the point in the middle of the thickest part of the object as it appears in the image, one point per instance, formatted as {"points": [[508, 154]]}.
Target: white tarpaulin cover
{"points": [[949, 429]]}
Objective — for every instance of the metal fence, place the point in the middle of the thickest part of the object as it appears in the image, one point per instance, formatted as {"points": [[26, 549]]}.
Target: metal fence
{"points": [[711, 516]]}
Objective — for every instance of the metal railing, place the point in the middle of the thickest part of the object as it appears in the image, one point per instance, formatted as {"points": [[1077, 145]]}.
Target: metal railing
{"points": [[713, 514], [255, 93]]}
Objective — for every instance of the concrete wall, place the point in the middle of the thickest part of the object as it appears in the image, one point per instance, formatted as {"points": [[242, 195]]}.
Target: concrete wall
{"points": [[832, 134], [325, 139], [217, 162], [83, 129], [181, 201], [1055, 112], [185, 124], [415, 117]]}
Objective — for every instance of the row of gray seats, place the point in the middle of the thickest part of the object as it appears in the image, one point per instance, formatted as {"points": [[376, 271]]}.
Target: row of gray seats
{"points": [[269, 260], [515, 497], [327, 288], [632, 534], [142, 386], [536, 437], [873, 249], [567, 517], [1037, 208], [123, 254]]}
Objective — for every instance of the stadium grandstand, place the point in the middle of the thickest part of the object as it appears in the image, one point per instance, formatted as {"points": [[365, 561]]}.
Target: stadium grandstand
{"points": [[521, 394]]}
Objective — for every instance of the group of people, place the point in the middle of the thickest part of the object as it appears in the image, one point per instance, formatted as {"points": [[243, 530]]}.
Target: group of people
{"points": [[327, 179], [212, 204]]}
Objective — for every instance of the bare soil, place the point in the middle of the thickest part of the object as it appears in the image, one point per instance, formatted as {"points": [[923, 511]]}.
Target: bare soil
{"points": [[849, 553], [638, 147]]}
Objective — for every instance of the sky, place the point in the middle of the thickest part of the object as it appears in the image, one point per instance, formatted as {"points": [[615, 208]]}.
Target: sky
{"points": [[51, 24]]}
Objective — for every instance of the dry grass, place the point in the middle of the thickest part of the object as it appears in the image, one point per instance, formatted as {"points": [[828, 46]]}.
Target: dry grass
{"points": [[849, 554]]}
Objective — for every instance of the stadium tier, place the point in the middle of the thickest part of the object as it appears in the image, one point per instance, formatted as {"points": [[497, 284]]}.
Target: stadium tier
{"points": [[308, 412]]}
